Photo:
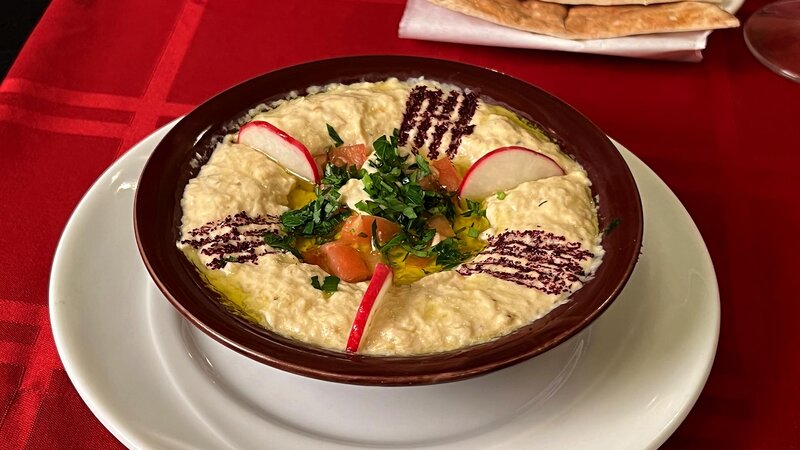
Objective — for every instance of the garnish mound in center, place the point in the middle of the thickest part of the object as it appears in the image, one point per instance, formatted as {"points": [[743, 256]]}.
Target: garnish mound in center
{"points": [[411, 221]]}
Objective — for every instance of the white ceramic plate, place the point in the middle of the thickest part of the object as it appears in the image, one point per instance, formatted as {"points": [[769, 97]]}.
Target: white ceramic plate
{"points": [[156, 382]]}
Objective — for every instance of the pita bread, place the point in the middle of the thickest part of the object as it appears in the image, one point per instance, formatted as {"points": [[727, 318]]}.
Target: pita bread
{"points": [[595, 22], [621, 2]]}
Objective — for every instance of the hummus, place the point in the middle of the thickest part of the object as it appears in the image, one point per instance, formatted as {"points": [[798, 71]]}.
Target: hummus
{"points": [[540, 243]]}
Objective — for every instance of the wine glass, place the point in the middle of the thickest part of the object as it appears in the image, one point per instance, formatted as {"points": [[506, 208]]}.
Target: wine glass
{"points": [[773, 35]]}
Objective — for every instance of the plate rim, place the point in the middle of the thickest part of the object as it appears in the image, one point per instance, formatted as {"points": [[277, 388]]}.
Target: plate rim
{"points": [[134, 438]]}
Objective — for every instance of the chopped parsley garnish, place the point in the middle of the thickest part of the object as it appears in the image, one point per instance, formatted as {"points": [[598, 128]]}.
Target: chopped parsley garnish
{"points": [[501, 195], [279, 242], [386, 151], [337, 141], [474, 209], [319, 218], [335, 176], [396, 195], [329, 285], [448, 254], [423, 168]]}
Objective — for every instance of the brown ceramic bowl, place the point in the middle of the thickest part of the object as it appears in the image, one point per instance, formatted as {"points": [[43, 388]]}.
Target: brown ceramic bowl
{"points": [[157, 217]]}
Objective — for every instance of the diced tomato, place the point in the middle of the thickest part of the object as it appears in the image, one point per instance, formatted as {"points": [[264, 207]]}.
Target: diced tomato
{"points": [[316, 257], [349, 155], [429, 183], [448, 176], [372, 259], [345, 262], [357, 229], [441, 225]]}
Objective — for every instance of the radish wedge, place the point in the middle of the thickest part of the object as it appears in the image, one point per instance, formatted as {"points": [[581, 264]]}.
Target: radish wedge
{"points": [[285, 150], [373, 297], [506, 168]]}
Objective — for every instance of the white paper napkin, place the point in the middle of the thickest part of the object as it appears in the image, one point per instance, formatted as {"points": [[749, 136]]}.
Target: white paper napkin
{"points": [[424, 20]]}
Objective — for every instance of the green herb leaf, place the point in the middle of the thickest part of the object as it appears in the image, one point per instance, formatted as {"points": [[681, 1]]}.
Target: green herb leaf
{"points": [[474, 209], [337, 141], [611, 226], [395, 241], [501, 195], [386, 150], [329, 285], [423, 169], [473, 232], [318, 218], [279, 242], [448, 253], [336, 177]]}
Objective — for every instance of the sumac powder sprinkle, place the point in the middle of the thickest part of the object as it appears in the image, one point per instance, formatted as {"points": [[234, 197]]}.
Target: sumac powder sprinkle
{"points": [[236, 238], [430, 115], [531, 258]]}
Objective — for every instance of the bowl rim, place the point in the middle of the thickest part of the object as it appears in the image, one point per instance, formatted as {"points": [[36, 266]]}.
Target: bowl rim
{"points": [[184, 288]]}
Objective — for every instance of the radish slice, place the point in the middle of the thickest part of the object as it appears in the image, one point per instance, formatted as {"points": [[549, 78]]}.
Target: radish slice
{"points": [[287, 151], [373, 297], [506, 168]]}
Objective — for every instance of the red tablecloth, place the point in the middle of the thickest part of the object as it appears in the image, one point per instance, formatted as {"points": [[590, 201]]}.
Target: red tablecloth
{"points": [[96, 77]]}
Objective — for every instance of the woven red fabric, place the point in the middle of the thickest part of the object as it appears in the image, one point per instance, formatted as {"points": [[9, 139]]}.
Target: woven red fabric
{"points": [[96, 77]]}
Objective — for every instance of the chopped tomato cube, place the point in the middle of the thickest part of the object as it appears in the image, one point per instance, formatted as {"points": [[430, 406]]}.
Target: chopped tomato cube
{"points": [[447, 174], [372, 259], [349, 155], [344, 262], [317, 257], [429, 183], [358, 229], [441, 225]]}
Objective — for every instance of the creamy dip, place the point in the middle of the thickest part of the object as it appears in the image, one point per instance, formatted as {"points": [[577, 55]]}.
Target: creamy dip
{"points": [[542, 242]]}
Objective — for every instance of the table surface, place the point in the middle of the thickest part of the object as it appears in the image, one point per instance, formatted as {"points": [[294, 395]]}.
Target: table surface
{"points": [[96, 77]]}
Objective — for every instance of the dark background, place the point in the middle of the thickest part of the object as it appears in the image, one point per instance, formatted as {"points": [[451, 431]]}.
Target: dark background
{"points": [[17, 19]]}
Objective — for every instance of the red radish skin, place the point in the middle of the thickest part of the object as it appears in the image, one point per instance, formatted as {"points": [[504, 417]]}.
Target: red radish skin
{"points": [[287, 151], [506, 168], [370, 303]]}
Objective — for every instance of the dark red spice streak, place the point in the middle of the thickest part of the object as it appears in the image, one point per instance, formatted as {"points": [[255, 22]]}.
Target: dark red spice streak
{"points": [[462, 127], [227, 240], [433, 96], [537, 259], [437, 115], [413, 104], [443, 116]]}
